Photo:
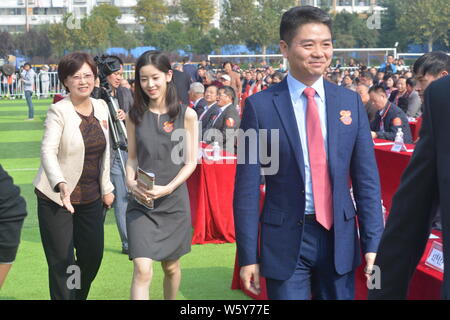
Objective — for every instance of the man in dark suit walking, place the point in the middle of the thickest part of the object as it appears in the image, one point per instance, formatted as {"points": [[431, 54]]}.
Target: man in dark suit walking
{"points": [[308, 246], [424, 183]]}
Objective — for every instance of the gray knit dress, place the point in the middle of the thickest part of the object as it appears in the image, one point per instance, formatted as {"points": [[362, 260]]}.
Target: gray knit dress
{"points": [[165, 232]]}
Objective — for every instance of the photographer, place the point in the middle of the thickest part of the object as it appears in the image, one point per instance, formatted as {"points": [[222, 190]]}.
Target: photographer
{"points": [[110, 76]]}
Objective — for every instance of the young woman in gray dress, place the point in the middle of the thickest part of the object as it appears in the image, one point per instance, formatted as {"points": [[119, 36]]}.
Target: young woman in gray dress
{"points": [[164, 232]]}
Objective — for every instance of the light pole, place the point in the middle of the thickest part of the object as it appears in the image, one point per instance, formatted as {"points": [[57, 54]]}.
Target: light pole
{"points": [[27, 25]]}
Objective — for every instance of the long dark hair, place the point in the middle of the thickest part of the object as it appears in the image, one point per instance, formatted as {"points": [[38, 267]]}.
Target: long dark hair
{"points": [[141, 100]]}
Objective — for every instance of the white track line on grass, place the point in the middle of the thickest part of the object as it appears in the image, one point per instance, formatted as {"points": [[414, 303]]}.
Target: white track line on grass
{"points": [[21, 169]]}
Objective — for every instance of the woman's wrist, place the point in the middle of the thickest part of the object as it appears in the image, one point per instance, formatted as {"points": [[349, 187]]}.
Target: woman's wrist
{"points": [[171, 188], [131, 183]]}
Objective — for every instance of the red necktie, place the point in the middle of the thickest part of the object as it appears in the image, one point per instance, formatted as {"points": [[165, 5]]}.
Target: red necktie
{"points": [[323, 198]]}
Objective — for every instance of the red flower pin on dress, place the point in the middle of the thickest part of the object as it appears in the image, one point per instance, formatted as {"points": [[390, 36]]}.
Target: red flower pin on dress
{"points": [[168, 126]]}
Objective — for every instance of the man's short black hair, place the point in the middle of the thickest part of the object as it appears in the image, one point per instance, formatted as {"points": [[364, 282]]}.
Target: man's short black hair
{"points": [[117, 58], [299, 16], [367, 75], [411, 82], [229, 91], [432, 63], [27, 64], [379, 88], [225, 63]]}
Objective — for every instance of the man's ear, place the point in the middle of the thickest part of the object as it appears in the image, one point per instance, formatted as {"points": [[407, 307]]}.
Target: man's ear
{"points": [[443, 73], [283, 48]]}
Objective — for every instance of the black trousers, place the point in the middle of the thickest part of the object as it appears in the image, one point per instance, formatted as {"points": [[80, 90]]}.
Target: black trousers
{"points": [[63, 233]]}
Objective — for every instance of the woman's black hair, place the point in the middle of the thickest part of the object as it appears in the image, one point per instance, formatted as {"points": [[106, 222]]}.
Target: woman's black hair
{"points": [[141, 100]]}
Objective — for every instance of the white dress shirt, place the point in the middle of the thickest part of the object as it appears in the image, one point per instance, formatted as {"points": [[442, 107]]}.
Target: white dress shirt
{"points": [[222, 109], [206, 109], [299, 102]]}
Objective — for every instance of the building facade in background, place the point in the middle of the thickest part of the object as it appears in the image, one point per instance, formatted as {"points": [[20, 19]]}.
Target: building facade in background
{"points": [[352, 6], [13, 16]]}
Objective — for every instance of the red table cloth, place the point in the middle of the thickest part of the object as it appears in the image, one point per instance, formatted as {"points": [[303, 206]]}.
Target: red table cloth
{"points": [[425, 284], [415, 128], [390, 167], [211, 188]]}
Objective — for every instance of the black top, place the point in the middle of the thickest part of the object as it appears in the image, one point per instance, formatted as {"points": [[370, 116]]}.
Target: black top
{"points": [[182, 83], [12, 214], [387, 123], [88, 187]]}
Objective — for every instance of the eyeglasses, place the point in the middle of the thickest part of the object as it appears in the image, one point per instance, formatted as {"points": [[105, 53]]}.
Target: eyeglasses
{"points": [[86, 76]]}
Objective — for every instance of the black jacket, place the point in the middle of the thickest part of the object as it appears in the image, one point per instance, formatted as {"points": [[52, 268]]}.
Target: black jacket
{"points": [[425, 179], [227, 123], [393, 118], [208, 119], [182, 83], [200, 107], [12, 214]]}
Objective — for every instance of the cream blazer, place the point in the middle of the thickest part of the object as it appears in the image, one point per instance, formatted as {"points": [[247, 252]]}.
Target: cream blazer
{"points": [[62, 150]]}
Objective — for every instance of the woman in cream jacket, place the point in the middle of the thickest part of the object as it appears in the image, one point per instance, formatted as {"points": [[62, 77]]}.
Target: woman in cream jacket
{"points": [[73, 185]]}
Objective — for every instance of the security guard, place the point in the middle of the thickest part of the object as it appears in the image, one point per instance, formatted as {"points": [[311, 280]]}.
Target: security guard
{"points": [[388, 118]]}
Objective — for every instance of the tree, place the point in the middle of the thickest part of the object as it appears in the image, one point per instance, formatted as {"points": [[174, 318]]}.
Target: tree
{"points": [[109, 14], [63, 37], [171, 38], [7, 45], [390, 33], [34, 43], [151, 13], [93, 35], [350, 31], [255, 22], [198, 12], [425, 21]]}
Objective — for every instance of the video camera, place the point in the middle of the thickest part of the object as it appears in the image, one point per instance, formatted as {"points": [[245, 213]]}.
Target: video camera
{"points": [[106, 65]]}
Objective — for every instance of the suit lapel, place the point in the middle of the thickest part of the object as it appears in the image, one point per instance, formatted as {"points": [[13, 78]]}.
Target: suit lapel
{"points": [[74, 122], [99, 114], [283, 104], [332, 106]]}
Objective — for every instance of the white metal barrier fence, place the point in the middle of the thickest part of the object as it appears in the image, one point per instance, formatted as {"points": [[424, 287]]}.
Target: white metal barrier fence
{"points": [[12, 87]]}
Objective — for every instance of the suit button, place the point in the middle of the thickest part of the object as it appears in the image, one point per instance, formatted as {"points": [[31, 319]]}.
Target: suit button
{"points": [[302, 192], [300, 222]]}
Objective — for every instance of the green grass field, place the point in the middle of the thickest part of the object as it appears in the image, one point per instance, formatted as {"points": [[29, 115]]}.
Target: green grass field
{"points": [[206, 271]]}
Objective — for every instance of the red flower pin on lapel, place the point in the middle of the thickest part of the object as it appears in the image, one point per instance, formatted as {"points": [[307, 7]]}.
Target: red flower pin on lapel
{"points": [[346, 117], [105, 124]]}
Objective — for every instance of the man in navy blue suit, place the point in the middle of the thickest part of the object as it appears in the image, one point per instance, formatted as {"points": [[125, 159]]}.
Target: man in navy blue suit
{"points": [[308, 243]]}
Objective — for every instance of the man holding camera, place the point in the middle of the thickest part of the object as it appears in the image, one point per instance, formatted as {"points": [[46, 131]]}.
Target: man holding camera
{"points": [[110, 77]]}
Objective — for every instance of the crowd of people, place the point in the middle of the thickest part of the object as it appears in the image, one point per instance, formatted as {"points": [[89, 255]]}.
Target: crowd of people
{"points": [[392, 94], [309, 244]]}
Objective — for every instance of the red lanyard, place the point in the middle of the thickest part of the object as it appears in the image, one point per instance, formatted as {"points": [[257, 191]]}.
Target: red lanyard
{"points": [[384, 116]]}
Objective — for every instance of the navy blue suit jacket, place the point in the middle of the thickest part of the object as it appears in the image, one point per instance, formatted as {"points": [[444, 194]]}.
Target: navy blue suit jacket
{"points": [[351, 155]]}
